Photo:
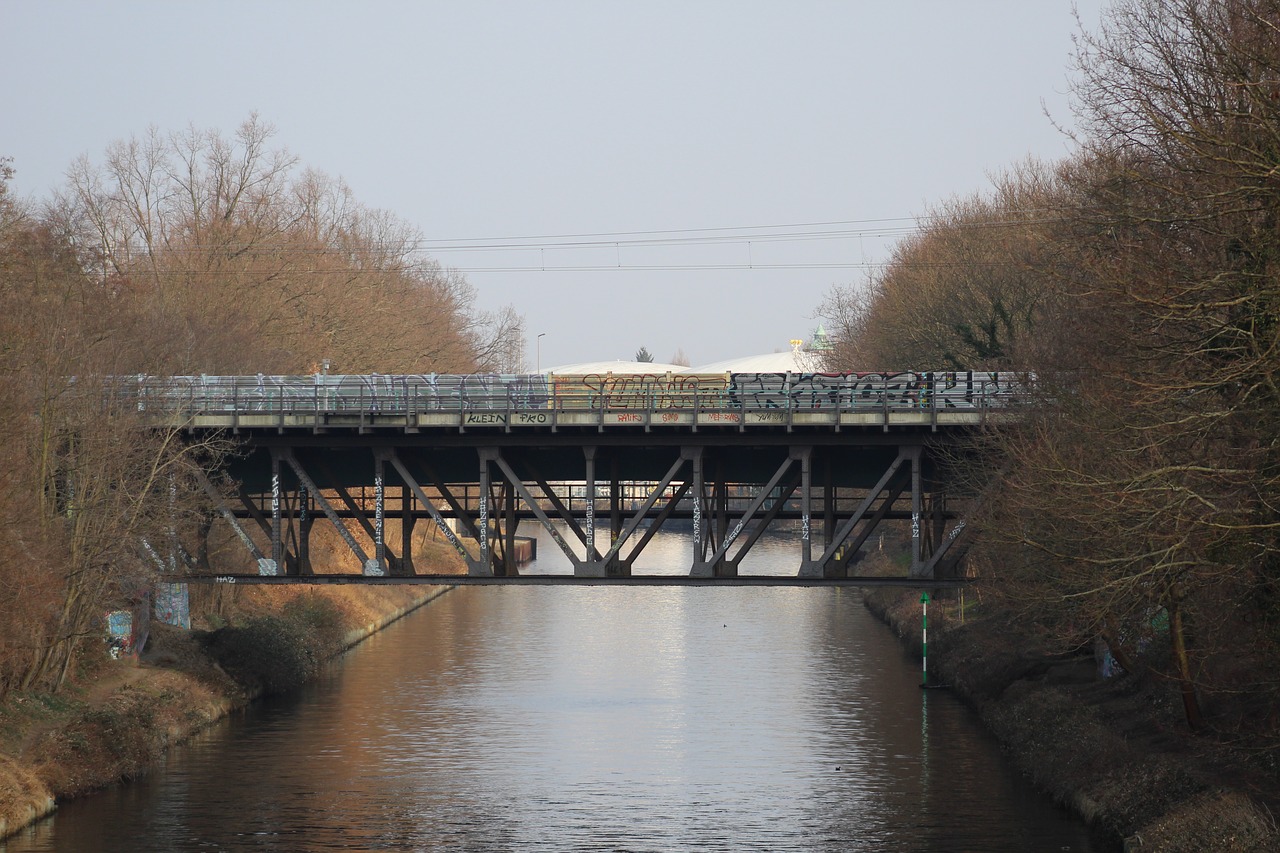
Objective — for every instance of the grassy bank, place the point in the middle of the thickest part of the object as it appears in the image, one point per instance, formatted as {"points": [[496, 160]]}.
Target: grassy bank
{"points": [[119, 717], [1116, 750]]}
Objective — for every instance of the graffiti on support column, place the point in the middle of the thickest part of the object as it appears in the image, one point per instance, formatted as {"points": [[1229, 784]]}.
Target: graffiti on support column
{"points": [[697, 521], [379, 530]]}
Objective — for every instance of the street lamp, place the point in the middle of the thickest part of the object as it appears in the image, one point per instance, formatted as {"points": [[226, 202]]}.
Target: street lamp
{"points": [[541, 335]]}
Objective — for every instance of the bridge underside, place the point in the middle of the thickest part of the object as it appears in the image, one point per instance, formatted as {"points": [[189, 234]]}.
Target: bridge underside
{"points": [[600, 497]]}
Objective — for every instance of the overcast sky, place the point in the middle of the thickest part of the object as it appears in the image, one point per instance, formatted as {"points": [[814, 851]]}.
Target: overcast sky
{"points": [[677, 140]]}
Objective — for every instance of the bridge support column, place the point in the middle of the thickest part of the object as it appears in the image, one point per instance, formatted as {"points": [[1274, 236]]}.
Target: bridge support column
{"points": [[829, 497], [721, 529], [615, 511], [306, 520], [589, 454], [407, 522], [805, 455], [379, 513], [359, 511], [917, 509], [277, 543], [486, 557], [699, 568], [509, 563]]}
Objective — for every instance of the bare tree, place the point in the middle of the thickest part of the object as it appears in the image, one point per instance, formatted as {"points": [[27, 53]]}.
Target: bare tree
{"points": [[962, 293], [254, 269], [1150, 491]]}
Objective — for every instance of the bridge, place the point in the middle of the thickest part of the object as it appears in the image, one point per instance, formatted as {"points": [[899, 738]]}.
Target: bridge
{"points": [[602, 462]]}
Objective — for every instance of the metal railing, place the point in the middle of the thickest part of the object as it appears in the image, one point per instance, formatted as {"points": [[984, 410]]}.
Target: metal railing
{"points": [[646, 395]]}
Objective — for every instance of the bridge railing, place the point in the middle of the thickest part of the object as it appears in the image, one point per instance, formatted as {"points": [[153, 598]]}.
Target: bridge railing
{"points": [[376, 394]]}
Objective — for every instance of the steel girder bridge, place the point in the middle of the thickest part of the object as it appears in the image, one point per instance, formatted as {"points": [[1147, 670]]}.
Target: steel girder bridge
{"points": [[602, 467]]}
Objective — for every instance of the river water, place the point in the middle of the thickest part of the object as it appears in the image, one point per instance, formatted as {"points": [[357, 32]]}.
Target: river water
{"points": [[593, 719]]}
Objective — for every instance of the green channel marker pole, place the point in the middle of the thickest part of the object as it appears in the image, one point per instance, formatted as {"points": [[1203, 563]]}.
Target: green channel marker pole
{"points": [[924, 639]]}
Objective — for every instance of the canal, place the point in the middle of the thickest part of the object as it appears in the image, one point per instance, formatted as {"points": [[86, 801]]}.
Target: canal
{"points": [[593, 719]]}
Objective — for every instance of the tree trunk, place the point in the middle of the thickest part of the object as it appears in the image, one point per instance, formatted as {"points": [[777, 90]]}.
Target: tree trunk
{"points": [[1117, 649], [1182, 664]]}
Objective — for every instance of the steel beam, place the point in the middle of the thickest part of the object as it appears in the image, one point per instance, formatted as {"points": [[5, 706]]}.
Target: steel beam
{"points": [[519, 486], [656, 525], [375, 529], [473, 566], [849, 550], [842, 533], [758, 501], [266, 566], [369, 566], [611, 558]]}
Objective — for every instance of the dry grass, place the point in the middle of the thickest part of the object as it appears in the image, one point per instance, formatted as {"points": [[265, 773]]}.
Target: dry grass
{"points": [[1116, 751]]}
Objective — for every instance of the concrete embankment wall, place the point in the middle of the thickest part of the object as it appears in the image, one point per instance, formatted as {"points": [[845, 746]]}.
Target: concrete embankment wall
{"points": [[355, 635]]}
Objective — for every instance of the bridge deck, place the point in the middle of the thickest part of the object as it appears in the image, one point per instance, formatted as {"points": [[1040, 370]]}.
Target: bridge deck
{"points": [[535, 402], [574, 580]]}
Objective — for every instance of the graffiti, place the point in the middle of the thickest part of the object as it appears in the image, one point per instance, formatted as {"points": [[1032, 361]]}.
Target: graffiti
{"points": [[733, 537], [638, 390], [119, 633], [478, 395], [786, 390], [697, 521], [172, 604], [379, 529]]}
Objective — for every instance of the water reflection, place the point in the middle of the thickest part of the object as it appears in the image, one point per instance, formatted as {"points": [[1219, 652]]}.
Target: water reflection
{"points": [[638, 719]]}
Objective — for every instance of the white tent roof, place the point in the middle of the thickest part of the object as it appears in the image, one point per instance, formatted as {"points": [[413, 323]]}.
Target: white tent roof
{"points": [[586, 367], [775, 362]]}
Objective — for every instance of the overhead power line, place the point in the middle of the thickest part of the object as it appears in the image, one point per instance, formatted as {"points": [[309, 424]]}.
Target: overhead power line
{"points": [[857, 229]]}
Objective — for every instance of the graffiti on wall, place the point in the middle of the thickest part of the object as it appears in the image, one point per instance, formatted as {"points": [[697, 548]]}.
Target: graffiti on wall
{"points": [[501, 393]]}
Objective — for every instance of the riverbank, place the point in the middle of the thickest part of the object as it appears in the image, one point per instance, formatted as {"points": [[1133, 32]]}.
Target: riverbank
{"points": [[120, 717], [1114, 751]]}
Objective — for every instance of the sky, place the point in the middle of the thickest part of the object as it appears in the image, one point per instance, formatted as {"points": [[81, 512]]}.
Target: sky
{"points": [[679, 176]]}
